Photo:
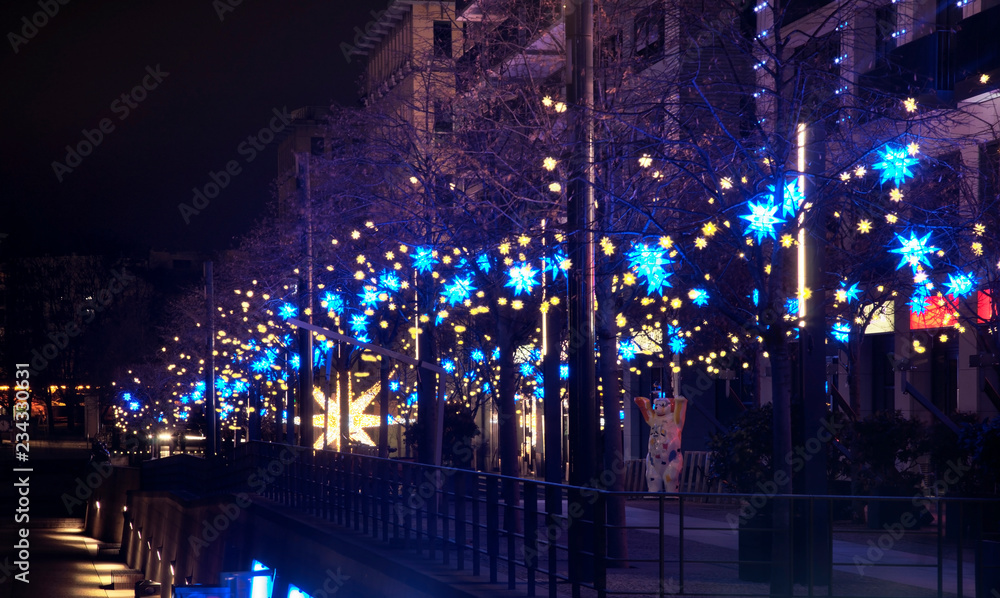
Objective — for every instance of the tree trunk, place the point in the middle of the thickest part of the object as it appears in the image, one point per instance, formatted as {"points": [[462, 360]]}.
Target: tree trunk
{"points": [[383, 408], [781, 545], [507, 410], [507, 416], [614, 465], [552, 404]]}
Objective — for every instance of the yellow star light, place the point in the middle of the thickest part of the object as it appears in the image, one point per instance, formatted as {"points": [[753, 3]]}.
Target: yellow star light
{"points": [[910, 104], [709, 229], [984, 78], [726, 183], [913, 149], [549, 164], [845, 176], [555, 187], [606, 246], [645, 161], [891, 218], [700, 243], [359, 419], [896, 195], [676, 303], [977, 248], [979, 229], [523, 240], [841, 296], [547, 101], [864, 227], [860, 171], [787, 241], [666, 242]]}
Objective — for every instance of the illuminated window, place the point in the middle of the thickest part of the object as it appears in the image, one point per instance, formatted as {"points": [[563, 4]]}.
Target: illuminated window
{"points": [[986, 308], [939, 312]]}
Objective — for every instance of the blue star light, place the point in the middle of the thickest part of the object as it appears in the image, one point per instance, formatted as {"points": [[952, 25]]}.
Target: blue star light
{"points": [[627, 349], [913, 251], [334, 302], [448, 365], [961, 285], [483, 262], [895, 164], [677, 345], [918, 303], [555, 263], [477, 355], [287, 310], [522, 278], [563, 371], [699, 297], [761, 220], [791, 200], [458, 291], [394, 385], [527, 369], [841, 331], [369, 296], [423, 259], [359, 323], [648, 262], [389, 281], [134, 405], [265, 361], [852, 293], [295, 361]]}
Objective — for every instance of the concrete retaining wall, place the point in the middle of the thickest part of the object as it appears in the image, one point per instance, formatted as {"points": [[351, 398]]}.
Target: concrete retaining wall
{"points": [[205, 537]]}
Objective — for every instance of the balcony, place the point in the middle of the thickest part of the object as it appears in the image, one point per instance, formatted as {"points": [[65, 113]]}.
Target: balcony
{"points": [[977, 53], [945, 66]]}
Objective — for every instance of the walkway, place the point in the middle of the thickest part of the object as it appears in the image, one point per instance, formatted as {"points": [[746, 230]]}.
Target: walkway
{"points": [[905, 563], [63, 562]]}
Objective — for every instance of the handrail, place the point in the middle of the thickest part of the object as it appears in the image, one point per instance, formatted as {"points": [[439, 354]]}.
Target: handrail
{"points": [[515, 528]]}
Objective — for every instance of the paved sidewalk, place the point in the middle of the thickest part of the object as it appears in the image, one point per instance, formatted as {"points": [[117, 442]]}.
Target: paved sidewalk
{"points": [[64, 563], [898, 565]]}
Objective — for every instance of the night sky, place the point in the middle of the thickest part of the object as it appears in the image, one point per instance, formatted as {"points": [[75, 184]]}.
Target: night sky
{"points": [[218, 82]]}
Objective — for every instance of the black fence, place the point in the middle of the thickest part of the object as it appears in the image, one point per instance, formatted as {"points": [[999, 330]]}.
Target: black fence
{"points": [[551, 539]]}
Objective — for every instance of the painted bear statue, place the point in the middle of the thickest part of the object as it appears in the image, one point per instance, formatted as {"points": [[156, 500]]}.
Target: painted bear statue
{"points": [[666, 422]]}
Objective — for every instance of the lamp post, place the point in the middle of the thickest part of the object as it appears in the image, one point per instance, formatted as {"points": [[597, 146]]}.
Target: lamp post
{"points": [[812, 351]]}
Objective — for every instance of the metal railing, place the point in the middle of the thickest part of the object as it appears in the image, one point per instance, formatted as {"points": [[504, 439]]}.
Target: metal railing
{"points": [[516, 531]]}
